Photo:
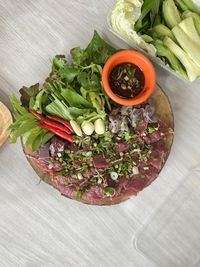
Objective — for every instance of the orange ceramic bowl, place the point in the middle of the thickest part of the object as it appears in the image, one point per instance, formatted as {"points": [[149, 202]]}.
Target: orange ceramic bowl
{"points": [[130, 56]]}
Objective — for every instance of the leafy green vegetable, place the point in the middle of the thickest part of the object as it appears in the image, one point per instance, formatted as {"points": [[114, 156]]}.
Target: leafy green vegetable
{"points": [[27, 93], [181, 4], [192, 69], [143, 23], [154, 11], [163, 51], [74, 99], [96, 101], [187, 25], [171, 13], [123, 19], [109, 191], [58, 62], [39, 99], [91, 117], [160, 31], [42, 137], [150, 6], [147, 38], [97, 51], [196, 19], [18, 108], [46, 137], [23, 128], [189, 45], [73, 91], [76, 112], [57, 108], [29, 136], [190, 5], [79, 56], [68, 73], [25, 117]]}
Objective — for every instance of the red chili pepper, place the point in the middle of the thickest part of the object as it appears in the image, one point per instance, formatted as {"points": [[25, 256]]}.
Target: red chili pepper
{"points": [[48, 122], [58, 132], [64, 122]]}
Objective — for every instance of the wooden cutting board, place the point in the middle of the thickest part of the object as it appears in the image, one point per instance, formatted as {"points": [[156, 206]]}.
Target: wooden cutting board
{"points": [[5, 121]]}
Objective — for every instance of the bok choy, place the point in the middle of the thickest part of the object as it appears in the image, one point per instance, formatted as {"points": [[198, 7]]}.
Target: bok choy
{"points": [[147, 23]]}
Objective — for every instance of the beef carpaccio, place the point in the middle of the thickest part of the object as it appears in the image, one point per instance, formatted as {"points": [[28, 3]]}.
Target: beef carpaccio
{"points": [[110, 168]]}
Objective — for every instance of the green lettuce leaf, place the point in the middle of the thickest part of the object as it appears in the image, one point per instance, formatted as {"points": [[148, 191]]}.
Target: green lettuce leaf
{"points": [[27, 93]]}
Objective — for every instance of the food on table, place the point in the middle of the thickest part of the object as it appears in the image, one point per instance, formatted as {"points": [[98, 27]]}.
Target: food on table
{"points": [[81, 142], [168, 29], [117, 164]]}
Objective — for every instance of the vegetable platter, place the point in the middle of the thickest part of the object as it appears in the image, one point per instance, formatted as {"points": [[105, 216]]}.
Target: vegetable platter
{"points": [[167, 31], [84, 144]]}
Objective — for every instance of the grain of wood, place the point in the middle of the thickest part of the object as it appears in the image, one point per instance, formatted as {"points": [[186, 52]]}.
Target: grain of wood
{"points": [[38, 227]]}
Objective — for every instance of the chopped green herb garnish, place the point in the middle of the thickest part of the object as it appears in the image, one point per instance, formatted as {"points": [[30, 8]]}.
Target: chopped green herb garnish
{"points": [[109, 191]]}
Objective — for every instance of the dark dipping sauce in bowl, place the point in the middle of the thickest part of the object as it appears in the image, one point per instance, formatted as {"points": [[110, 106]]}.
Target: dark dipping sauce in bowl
{"points": [[126, 80]]}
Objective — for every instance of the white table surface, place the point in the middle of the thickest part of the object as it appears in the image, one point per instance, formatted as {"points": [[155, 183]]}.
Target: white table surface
{"points": [[38, 227]]}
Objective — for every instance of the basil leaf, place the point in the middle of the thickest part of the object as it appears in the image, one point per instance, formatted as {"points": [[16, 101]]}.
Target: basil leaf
{"points": [[22, 129]]}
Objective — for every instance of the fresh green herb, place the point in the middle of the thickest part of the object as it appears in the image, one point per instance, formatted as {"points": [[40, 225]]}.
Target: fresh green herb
{"points": [[74, 99], [28, 93], [151, 130], [40, 99], [109, 191]]}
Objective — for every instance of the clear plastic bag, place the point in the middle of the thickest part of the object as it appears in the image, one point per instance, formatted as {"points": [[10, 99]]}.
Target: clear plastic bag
{"points": [[171, 238]]}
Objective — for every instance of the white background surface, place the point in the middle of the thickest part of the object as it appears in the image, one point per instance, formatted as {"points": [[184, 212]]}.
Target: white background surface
{"points": [[38, 227]]}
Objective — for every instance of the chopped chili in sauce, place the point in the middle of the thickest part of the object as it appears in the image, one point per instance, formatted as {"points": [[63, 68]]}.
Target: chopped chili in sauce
{"points": [[126, 80]]}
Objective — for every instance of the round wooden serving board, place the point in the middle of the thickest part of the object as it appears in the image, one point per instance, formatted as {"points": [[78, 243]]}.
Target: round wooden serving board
{"points": [[5, 121], [163, 112]]}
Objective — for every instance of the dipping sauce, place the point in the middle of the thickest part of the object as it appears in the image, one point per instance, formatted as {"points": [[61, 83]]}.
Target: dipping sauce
{"points": [[126, 80]]}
